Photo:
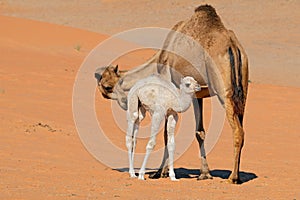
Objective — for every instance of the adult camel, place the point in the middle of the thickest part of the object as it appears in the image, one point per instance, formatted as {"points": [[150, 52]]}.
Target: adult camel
{"points": [[221, 69]]}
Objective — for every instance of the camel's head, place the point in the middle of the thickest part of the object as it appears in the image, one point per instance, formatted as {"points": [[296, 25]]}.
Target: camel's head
{"points": [[107, 78], [189, 85]]}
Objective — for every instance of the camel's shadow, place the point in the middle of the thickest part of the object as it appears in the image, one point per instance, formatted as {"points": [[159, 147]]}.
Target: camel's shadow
{"points": [[220, 173], [183, 173]]}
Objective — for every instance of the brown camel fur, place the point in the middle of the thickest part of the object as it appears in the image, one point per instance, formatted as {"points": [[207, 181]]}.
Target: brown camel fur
{"points": [[223, 68]]}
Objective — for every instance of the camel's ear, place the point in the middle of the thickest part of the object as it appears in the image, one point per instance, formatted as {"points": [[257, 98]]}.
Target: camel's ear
{"points": [[98, 73], [116, 70]]}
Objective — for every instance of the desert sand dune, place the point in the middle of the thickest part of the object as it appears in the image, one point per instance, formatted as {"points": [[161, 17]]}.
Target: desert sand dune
{"points": [[42, 156], [269, 30]]}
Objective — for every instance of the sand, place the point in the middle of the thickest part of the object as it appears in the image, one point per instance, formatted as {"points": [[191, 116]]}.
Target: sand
{"points": [[42, 156]]}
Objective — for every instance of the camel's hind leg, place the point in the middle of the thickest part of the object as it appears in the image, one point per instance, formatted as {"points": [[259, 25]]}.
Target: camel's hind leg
{"points": [[132, 130], [200, 135], [157, 117], [235, 122]]}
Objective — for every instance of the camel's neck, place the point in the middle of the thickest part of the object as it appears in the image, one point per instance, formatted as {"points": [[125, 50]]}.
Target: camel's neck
{"points": [[122, 73], [184, 102], [129, 78]]}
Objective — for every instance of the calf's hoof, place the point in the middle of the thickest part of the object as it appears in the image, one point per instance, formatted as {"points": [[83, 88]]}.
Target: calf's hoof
{"points": [[141, 177], [173, 177], [132, 175]]}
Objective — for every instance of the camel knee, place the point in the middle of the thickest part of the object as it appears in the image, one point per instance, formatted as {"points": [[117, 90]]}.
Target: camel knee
{"points": [[171, 124], [239, 139], [200, 135], [151, 144], [238, 142]]}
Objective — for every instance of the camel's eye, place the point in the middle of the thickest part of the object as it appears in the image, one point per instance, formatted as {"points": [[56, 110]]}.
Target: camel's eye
{"points": [[108, 88], [188, 84]]}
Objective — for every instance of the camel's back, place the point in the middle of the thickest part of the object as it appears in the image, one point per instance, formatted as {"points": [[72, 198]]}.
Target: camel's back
{"points": [[207, 35], [153, 90], [202, 32]]}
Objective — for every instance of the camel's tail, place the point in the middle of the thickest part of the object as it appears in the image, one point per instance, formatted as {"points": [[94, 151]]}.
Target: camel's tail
{"points": [[236, 80]]}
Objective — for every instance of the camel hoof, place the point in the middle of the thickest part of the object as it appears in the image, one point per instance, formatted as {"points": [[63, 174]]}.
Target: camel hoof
{"points": [[155, 175], [133, 176], [234, 181], [141, 177], [159, 174], [204, 176], [173, 178], [164, 175]]}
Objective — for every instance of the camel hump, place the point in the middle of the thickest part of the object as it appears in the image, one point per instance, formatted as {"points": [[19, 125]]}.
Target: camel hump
{"points": [[206, 8], [206, 16]]}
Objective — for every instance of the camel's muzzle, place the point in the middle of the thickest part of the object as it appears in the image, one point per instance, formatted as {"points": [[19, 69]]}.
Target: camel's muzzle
{"points": [[197, 88]]}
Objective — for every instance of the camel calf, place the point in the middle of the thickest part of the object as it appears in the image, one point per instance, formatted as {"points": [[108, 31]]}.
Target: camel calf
{"points": [[162, 99]]}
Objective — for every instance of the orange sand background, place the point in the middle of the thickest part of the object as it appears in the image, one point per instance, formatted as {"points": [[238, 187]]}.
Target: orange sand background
{"points": [[41, 155]]}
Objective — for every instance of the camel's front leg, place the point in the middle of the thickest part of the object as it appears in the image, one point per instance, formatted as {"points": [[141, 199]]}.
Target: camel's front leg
{"points": [[163, 169], [172, 120], [157, 117], [200, 135]]}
